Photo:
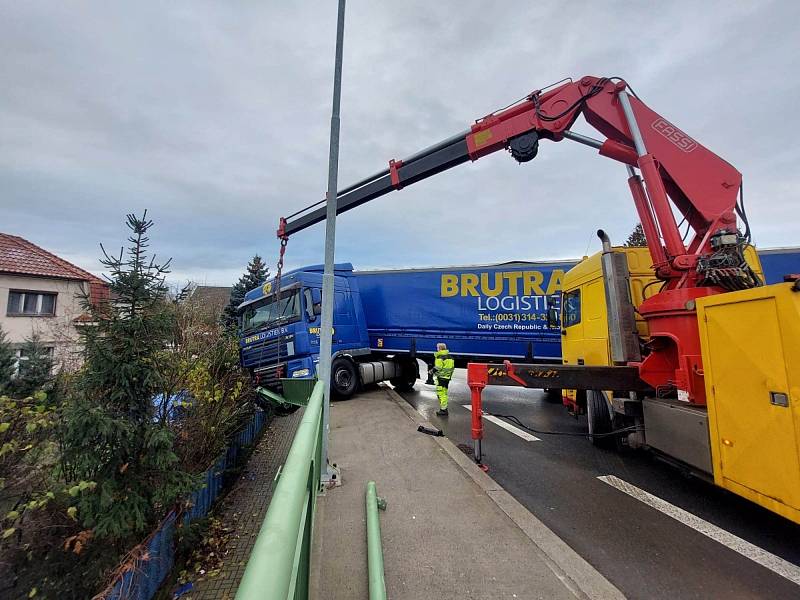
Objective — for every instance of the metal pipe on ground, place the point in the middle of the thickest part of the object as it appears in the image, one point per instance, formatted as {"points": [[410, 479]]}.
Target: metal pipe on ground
{"points": [[377, 585]]}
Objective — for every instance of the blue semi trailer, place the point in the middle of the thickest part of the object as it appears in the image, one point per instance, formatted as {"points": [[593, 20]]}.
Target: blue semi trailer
{"points": [[385, 320], [778, 262]]}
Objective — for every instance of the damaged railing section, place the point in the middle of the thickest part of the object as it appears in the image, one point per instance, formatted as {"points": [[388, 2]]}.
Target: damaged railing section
{"points": [[295, 392], [279, 565]]}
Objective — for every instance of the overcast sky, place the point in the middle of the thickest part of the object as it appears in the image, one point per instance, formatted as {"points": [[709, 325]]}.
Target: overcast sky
{"points": [[215, 117]]}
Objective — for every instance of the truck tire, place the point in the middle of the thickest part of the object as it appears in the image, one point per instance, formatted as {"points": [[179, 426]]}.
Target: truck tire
{"points": [[408, 376], [599, 419], [344, 378]]}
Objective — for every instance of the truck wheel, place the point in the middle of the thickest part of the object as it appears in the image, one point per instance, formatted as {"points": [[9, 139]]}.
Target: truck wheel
{"points": [[344, 378], [599, 419], [408, 377], [552, 395]]}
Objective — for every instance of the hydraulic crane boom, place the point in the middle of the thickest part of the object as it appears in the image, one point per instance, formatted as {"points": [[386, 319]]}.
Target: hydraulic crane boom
{"points": [[674, 167], [702, 186]]}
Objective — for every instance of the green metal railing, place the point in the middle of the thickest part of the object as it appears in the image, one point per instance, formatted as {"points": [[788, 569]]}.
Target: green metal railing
{"points": [[279, 564], [377, 585]]}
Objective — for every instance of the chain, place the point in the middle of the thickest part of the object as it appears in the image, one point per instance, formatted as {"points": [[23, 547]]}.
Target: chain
{"points": [[284, 240]]}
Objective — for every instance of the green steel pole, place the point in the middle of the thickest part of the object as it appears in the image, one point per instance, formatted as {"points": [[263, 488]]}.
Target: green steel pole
{"points": [[377, 585], [273, 570]]}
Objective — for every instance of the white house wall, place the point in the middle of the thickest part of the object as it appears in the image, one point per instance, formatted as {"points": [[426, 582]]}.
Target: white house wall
{"points": [[57, 331]]}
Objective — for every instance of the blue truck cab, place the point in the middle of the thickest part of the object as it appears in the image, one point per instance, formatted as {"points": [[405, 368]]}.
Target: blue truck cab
{"points": [[280, 332]]}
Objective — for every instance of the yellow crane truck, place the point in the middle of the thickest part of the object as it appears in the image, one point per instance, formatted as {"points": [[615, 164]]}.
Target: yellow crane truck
{"points": [[746, 437], [701, 363]]}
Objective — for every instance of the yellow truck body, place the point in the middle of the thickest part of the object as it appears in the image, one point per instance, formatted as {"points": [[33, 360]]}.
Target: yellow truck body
{"points": [[586, 341], [586, 337], [750, 342]]}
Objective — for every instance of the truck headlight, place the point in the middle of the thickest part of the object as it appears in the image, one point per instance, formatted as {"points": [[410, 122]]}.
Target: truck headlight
{"points": [[301, 373]]}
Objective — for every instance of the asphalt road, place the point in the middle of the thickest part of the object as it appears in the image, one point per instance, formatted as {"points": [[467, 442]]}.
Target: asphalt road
{"points": [[641, 550]]}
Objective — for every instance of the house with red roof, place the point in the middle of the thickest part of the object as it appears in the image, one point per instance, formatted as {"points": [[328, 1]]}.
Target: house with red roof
{"points": [[41, 294]]}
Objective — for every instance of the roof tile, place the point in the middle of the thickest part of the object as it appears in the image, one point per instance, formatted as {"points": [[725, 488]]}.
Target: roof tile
{"points": [[21, 257]]}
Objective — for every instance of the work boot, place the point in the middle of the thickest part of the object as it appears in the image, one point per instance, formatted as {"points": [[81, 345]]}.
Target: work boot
{"points": [[442, 412]]}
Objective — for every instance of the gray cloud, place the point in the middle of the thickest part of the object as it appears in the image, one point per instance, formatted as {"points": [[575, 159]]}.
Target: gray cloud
{"points": [[215, 117]]}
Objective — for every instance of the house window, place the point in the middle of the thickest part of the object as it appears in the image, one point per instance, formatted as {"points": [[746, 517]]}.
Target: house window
{"points": [[26, 303], [22, 358]]}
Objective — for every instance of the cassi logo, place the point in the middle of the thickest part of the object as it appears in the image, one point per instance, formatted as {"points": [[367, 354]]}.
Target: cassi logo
{"points": [[497, 283], [674, 135]]}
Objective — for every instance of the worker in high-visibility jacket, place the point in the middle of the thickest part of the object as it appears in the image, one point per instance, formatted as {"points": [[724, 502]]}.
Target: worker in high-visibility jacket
{"points": [[443, 367]]}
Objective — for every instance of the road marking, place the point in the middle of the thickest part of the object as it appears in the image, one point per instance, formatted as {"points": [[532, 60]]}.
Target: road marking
{"points": [[766, 559], [507, 426]]}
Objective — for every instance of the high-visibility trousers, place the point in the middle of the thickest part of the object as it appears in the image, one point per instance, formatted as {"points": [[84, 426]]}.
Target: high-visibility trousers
{"points": [[441, 391]]}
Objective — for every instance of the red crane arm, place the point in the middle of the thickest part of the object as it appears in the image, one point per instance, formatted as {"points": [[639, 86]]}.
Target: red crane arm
{"points": [[702, 186]]}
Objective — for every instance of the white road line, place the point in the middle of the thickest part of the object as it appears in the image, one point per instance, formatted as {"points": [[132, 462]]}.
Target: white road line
{"points": [[766, 559], [508, 427]]}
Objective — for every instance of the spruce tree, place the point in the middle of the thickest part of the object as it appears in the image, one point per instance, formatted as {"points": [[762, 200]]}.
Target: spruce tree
{"points": [[111, 437], [636, 239], [7, 363], [35, 369], [256, 275]]}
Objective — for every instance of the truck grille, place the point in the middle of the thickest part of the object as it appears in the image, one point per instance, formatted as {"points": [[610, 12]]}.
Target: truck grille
{"points": [[267, 359], [266, 353], [270, 376]]}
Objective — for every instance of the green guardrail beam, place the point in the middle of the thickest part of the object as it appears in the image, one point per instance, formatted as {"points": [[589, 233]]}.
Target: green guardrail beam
{"points": [[279, 564], [377, 584]]}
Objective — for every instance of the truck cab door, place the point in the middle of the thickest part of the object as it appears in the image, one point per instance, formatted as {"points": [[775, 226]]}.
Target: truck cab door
{"points": [[345, 334], [312, 300]]}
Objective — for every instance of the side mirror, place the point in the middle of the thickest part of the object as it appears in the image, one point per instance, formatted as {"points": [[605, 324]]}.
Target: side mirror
{"points": [[553, 311], [553, 321], [311, 314]]}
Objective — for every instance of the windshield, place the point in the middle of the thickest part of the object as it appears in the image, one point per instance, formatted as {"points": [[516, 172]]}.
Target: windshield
{"points": [[268, 310]]}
